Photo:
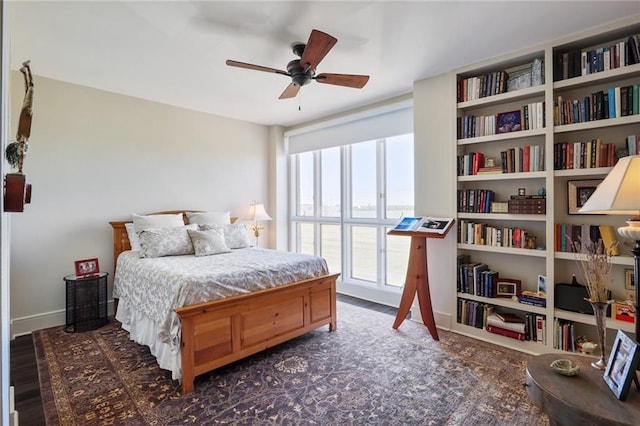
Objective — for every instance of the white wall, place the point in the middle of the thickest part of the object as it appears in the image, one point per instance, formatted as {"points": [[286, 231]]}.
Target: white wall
{"points": [[435, 184], [96, 157]]}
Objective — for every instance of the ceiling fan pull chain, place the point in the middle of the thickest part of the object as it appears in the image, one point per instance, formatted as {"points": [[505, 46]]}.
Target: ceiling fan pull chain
{"points": [[299, 107]]}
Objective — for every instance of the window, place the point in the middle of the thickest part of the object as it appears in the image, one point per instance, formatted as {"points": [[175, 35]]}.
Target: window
{"points": [[346, 198]]}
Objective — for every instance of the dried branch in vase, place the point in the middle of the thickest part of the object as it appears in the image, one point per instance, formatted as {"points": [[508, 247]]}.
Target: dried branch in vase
{"points": [[594, 266]]}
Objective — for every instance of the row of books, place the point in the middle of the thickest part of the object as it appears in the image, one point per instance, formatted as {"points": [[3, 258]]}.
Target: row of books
{"points": [[530, 116], [611, 103], [475, 200], [633, 144], [584, 155], [529, 158], [470, 232], [571, 238], [476, 278], [564, 335], [489, 84], [531, 327], [577, 63]]}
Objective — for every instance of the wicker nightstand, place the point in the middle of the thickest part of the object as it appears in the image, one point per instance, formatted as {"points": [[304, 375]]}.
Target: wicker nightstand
{"points": [[86, 302]]}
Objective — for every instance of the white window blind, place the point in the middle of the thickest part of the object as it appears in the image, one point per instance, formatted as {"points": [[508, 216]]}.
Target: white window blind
{"points": [[383, 122]]}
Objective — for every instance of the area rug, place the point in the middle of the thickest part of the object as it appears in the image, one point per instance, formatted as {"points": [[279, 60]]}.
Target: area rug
{"points": [[364, 373]]}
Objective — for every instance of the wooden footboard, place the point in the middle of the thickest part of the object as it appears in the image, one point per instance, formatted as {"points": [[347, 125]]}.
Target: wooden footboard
{"points": [[223, 331]]}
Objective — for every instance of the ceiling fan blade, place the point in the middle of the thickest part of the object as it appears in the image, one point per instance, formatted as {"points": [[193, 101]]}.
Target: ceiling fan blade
{"points": [[255, 67], [290, 92], [348, 80], [318, 46]]}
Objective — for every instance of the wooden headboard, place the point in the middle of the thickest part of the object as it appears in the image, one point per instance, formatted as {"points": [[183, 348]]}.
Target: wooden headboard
{"points": [[121, 239]]}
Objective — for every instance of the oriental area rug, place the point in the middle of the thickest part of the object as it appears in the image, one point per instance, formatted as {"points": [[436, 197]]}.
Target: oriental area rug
{"points": [[364, 373]]}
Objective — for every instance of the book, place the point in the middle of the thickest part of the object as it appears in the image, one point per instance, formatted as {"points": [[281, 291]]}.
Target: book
{"points": [[509, 333], [608, 235], [509, 317], [518, 327], [424, 224]]}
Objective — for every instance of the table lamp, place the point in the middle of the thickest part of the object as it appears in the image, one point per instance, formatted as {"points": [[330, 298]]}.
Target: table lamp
{"points": [[257, 213], [619, 193]]}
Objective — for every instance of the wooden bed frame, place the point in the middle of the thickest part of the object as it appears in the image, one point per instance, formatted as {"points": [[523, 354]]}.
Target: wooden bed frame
{"points": [[220, 332]]}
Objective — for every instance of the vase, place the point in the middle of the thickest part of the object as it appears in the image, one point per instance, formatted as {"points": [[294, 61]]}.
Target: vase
{"points": [[600, 313]]}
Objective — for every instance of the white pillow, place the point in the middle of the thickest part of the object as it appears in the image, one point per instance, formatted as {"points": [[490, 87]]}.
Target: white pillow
{"points": [[134, 241], [140, 223], [235, 235], [159, 242], [209, 218], [209, 242]]}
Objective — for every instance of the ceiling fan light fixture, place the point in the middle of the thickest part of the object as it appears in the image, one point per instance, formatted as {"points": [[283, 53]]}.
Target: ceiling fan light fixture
{"points": [[303, 70]]}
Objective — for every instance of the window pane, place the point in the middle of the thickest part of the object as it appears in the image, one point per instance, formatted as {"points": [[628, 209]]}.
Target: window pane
{"points": [[330, 182], [399, 184], [363, 179], [397, 259], [305, 184], [330, 247], [364, 259], [305, 238]]}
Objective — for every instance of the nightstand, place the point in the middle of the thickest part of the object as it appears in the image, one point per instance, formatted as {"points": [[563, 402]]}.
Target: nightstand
{"points": [[86, 302]]}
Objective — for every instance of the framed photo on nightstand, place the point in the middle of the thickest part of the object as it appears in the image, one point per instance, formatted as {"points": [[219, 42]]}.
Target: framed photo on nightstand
{"points": [[86, 267]]}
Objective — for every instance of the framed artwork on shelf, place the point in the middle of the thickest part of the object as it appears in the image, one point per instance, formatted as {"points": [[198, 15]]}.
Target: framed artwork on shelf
{"points": [[509, 122], [578, 192], [506, 287], [622, 364], [628, 279], [86, 267]]}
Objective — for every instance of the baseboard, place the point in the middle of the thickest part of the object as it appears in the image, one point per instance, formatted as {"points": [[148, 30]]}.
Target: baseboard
{"points": [[26, 325], [443, 320], [13, 414]]}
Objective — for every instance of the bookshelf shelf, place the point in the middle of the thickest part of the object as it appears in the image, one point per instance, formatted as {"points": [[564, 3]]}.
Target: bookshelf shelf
{"points": [[503, 250], [503, 216], [589, 319], [502, 176], [610, 76], [596, 171], [616, 260], [503, 136], [504, 97], [505, 303], [598, 124], [527, 265]]}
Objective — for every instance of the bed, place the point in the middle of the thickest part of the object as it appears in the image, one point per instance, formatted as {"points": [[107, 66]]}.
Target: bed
{"points": [[198, 334]]}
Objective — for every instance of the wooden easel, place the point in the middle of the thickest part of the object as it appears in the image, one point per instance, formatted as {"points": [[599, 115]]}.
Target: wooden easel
{"points": [[417, 280]]}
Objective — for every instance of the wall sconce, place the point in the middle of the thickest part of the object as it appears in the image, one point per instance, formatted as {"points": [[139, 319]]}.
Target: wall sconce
{"points": [[256, 213], [619, 193]]}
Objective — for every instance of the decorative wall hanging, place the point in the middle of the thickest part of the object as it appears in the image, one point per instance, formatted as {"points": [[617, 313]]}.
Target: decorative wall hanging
{"points": [[17, 191]]}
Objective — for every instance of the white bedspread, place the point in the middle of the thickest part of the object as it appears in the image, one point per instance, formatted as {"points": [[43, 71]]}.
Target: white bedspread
{"points": [[151, 288]]}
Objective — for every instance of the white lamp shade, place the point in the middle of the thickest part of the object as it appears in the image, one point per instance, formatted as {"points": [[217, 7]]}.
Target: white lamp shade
{"points": [[256, 213], [619, 192]]}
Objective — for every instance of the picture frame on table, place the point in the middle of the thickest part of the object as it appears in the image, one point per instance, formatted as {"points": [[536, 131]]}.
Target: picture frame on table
{"points": [[87, 267], [578, 192], [622, 365], [628, 280], [506, 287]]}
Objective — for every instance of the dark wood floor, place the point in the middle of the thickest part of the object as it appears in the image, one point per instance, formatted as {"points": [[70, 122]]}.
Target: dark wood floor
{"points": [[24, 371]]}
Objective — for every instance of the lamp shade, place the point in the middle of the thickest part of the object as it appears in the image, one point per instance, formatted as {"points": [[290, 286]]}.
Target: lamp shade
{"points": [[257, 212], [619, 192]]}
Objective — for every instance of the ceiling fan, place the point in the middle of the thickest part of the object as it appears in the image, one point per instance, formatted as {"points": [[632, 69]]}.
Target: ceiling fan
{"points": [[303, 70]]}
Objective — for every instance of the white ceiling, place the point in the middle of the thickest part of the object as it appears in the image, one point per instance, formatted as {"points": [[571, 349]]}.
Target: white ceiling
{"points": [[174, 52]]}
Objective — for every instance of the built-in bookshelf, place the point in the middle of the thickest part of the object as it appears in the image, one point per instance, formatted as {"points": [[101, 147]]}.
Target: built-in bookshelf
{"points": [[526, 153]]}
